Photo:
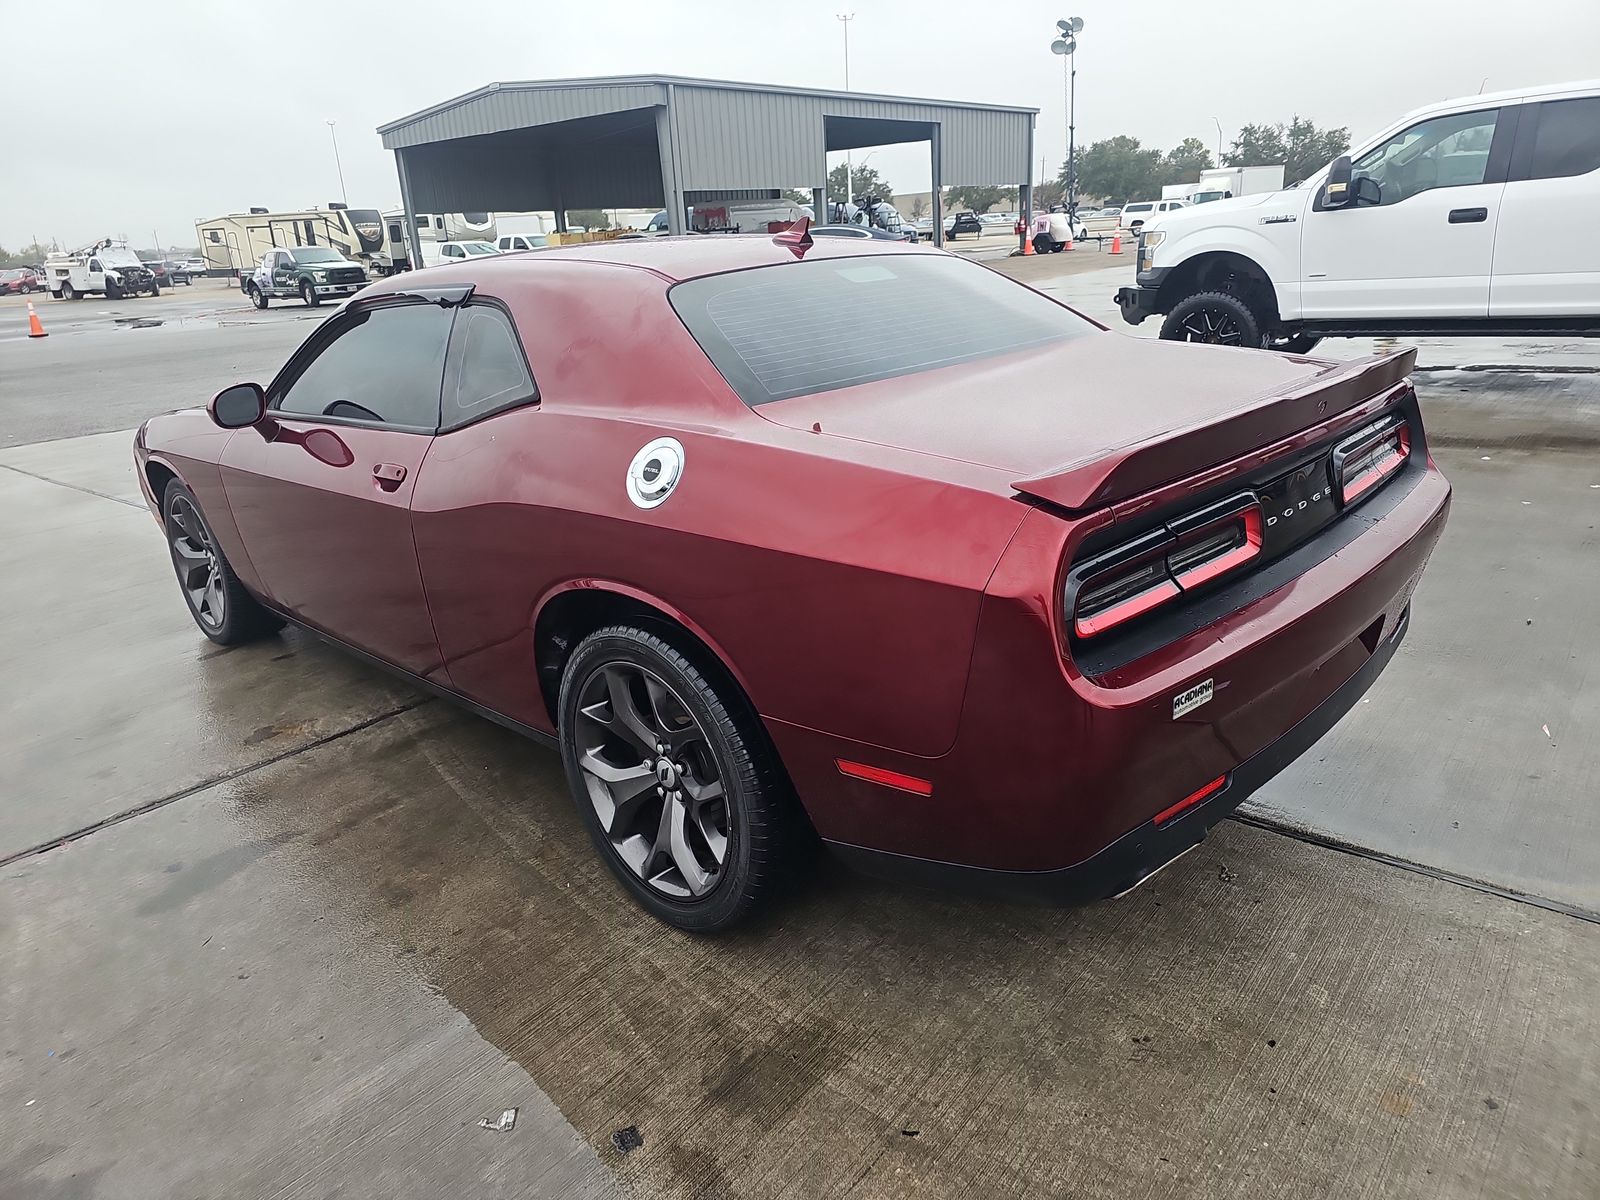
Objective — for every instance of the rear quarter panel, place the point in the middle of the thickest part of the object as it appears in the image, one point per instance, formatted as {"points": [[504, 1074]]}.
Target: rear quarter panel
{"points": [[842, 589]]}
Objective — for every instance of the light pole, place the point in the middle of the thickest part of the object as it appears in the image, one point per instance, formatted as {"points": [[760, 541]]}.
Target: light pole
{"points": [[849, 174], [1219, 140], [337, 164], [1066, 45]]}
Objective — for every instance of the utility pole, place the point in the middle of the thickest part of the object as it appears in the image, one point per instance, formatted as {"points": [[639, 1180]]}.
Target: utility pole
{"points": [[849, 172], [1219, 140], [337, 164]]}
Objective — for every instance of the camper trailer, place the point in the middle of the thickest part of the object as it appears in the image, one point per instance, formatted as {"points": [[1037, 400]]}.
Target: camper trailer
{"points": [[432, 229], [233, 244]]}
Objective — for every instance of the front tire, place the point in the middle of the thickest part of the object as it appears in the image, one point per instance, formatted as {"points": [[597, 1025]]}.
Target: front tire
{"points": [[1215, 318], [309, 294], [672, 773], [218, 602]]}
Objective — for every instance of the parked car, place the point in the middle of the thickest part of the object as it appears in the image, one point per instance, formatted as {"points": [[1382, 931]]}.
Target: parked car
{"points": [[168, 272], [866, 232], [763, 574], [963, 222], [445, 253], [1462, 218], [20, 281], [1133, 216], [510, 243], [196, 266]]}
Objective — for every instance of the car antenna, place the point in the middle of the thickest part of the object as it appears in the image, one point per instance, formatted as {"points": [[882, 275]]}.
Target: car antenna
{"points": [[797, 237]]}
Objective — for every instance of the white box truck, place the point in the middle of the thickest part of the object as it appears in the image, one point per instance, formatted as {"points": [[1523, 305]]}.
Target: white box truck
{"points": [[1224, 183]]}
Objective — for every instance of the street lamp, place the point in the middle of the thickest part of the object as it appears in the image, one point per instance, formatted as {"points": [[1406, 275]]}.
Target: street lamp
{"points": [[1219, 140], [337, 164], [1066, 45]]}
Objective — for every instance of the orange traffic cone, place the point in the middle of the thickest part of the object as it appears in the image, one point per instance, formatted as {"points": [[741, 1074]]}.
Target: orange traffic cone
{"points": [[1116, 243], [34, 328], [1069, 245], [1027, 246]]}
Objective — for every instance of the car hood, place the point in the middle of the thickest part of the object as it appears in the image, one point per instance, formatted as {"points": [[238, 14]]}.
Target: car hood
{"points": [[1096, 419]]}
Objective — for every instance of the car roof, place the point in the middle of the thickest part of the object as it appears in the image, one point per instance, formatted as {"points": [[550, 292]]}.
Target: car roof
{"points": [[673, 258]]}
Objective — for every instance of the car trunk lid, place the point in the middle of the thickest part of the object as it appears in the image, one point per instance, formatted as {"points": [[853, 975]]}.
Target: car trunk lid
{"points": [[1094, 420]]}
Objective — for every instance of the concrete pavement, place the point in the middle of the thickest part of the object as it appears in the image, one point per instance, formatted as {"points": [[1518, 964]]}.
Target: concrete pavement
{"points": [[272, 923]]}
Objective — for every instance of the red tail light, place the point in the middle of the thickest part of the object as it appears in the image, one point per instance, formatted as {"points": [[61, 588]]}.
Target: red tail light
{"points": [[1154, 570], [1362, 462]]}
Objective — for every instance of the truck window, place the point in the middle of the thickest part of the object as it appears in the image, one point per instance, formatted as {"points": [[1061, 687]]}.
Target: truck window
{"points": [[386, 363], [94, 265], [1448, 151], [1568, 139]]}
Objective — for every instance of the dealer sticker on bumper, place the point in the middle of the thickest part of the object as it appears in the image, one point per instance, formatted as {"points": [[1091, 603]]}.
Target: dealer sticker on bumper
{"points": [[1191, 698]]}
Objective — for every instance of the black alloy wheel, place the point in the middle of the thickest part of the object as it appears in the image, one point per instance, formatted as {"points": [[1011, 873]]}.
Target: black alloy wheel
{"points": [[1214, 318], [198, 563], [674, 779], [225, 611]]}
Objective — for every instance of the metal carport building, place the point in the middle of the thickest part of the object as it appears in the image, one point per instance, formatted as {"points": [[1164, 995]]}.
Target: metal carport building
{"points": [[664, 141]]}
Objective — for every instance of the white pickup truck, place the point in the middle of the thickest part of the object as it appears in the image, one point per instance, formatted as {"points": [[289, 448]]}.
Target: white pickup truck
{"points": [[1471, 216]]}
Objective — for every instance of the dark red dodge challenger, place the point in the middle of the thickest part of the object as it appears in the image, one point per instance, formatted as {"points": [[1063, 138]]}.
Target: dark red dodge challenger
{"points": [[995, 596]]}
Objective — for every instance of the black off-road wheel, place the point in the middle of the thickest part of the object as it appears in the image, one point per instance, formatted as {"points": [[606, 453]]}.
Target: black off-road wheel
{"points": [[675, 779], [258, 297], [1216, 318], [218, 602]]}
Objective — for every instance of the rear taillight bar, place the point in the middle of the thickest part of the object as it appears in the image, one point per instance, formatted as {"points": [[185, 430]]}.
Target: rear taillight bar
{"points": [[1363, 461], [1144, 574]]}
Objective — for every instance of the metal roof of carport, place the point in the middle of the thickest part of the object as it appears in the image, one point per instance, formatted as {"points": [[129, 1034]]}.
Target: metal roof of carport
{"points": [[633, 140]]}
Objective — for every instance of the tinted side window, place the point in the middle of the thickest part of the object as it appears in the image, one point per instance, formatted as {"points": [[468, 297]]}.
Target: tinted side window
{"points": [[1448, 151], [385, 364], [487, 370], [1568, 140]]}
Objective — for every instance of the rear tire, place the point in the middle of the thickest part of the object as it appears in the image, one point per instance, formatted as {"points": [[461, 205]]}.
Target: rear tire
{"points": [[222, 608], [1042, 243], [1215, 318], [700, 832], [258, 297]]}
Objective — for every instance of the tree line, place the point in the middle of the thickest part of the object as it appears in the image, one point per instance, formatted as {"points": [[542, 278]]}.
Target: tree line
{"points": [[1121, 169]]}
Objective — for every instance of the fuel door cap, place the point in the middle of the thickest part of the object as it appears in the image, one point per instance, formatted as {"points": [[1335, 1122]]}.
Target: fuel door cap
{"points": [[654, 472]]}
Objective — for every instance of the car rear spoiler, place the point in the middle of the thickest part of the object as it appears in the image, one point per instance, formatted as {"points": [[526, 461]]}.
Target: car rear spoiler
{"points": [[1142, 466]]}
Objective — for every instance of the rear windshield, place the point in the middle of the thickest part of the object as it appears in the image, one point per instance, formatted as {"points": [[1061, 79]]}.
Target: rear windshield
{"points": [[805, 327]]}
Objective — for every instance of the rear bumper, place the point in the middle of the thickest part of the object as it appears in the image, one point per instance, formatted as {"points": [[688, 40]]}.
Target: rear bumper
{"points": [[1140, 853]]}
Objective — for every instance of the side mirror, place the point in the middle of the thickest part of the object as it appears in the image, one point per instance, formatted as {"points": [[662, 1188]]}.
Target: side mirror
{"points": [[239, 406], [1336, 191]]}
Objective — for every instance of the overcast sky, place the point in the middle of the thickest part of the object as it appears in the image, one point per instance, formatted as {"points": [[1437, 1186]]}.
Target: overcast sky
{"points": [[139, 118]]}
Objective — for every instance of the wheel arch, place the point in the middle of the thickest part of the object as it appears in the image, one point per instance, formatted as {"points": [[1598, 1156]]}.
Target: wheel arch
{"points": [[158, 474], [571, 611], [1222, 271]]}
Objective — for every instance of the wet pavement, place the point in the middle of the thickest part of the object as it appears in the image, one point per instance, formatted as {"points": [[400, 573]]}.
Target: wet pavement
{"points": [[272, 923]]}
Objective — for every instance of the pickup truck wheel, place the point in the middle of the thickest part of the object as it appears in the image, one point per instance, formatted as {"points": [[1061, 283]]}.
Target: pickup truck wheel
{"points": [[309, 294], [1300, 343], [1042, 243], [66, 293], [1215, 318], [258, 297]]}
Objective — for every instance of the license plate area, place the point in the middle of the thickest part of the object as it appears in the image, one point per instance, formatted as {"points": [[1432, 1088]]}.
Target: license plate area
{"points": [[1296, 505]]}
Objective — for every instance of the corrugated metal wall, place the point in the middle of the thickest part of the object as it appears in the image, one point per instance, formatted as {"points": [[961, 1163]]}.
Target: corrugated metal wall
{"points": [[510, 106], [486, 151]]}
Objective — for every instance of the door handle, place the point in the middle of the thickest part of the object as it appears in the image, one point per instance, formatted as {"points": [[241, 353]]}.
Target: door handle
{"points": [[389, 475], [1467, 216]]}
